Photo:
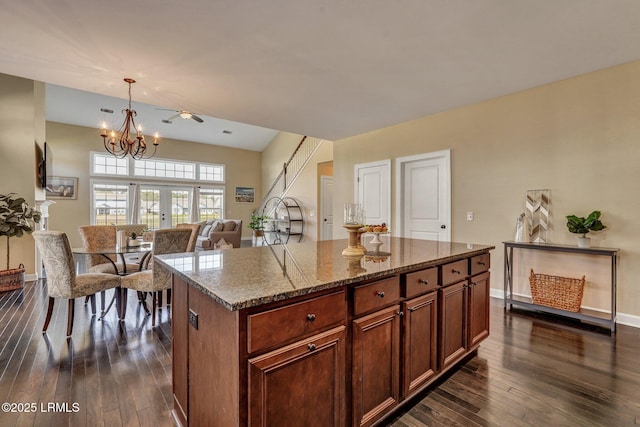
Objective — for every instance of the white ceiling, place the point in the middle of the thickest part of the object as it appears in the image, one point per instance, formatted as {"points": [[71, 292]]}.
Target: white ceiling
{"points": [[324, 68]]}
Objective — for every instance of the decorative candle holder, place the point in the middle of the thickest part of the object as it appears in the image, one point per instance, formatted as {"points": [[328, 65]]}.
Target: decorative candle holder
{"points": [[354, 248], [353, 218]]}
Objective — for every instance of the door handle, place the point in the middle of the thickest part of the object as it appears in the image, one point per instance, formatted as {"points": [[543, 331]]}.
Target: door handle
{"points": [[443, 226], [325, 220]]}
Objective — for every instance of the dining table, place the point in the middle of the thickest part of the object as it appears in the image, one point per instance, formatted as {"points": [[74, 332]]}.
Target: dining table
{"points": [[143, 250]]}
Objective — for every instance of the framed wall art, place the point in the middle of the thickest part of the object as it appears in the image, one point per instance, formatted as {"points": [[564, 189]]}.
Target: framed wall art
{"points": [[245, 195], [62, 187]]}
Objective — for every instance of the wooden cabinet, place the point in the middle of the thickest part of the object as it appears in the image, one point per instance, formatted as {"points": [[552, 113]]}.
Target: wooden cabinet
{"points": [[376, 365], [302, 384], [453, 323], [345, 356], [478, 308], [419, 340]]}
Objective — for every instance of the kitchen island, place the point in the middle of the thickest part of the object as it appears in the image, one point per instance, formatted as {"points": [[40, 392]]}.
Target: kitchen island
{"points": [[299, 334]]}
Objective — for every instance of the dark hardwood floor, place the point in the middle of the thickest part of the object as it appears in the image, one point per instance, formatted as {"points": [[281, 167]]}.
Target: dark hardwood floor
{"points": [[530, 372]]}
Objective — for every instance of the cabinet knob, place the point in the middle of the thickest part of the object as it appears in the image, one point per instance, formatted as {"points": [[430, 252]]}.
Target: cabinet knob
{"points": [[411, 309], [474, 283], [400, 313], [311, 347], [455, 271], [380, 294], [422, 281], [311, 317]]}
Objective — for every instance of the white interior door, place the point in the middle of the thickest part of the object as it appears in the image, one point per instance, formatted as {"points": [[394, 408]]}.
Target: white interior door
{"points": [[326, 207], [373, 191], [424, 202]]}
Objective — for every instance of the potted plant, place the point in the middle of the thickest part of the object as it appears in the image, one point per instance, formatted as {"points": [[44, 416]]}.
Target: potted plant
{"points": [[257, 225], [17, 218], [581, 225]]}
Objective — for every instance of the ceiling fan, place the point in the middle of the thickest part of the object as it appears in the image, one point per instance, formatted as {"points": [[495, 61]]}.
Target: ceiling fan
{"points": [[186, 115]]}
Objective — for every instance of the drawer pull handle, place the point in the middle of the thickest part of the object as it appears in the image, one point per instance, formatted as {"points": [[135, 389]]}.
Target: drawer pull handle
{"points": [[424, 282], [311, 347], [412, 309], [380, 294], [311, 317], [482, 263], [455, 271]]}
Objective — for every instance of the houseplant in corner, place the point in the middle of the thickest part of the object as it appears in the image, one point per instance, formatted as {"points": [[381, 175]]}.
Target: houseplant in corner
{"points": [[257, 225], [17, 218], [581, 225]]}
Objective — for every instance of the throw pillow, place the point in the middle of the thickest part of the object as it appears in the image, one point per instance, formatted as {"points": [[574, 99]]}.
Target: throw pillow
{"points": [[219, 226], [229, 226], [205, 230], [222, 244]]}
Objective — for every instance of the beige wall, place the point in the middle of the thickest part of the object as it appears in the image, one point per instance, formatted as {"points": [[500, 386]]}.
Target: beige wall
{"points": [[578, 137], [72, 145], [305, 188], [22, 106], [276, 155]]}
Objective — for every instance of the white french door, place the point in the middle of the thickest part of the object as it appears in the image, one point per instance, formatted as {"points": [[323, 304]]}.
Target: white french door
{"points": [[164, 207]]}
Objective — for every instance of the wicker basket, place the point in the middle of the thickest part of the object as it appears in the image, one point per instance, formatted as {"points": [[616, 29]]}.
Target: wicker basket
{"points": [[12, 279], [557, 292]]}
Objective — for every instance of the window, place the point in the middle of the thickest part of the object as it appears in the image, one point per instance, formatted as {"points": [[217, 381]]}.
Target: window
{"points": [[210, 204], [164, 169], [110, 203], [106, 164], [213, 173]]}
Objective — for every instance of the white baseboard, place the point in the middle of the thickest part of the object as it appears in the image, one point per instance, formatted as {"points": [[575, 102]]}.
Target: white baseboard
{"points": [[621, 318], [30, 277]]}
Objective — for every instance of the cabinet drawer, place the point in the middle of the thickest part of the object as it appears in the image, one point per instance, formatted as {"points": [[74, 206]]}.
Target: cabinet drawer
{"points": [[454, 271], [375, 295], [480, 263], [290, 322], [421, 282]]}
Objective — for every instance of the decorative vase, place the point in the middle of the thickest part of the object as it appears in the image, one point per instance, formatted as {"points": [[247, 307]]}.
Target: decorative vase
{"points": [[584, 242]]}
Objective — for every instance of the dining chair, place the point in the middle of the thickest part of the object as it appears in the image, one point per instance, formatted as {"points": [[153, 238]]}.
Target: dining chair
{"points": [[101, 236], [156, 278], [195, 231], [62, 280]]}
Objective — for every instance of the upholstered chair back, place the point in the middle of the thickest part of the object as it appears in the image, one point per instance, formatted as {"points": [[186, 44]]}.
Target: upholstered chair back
{"points": [[97, 236], [132, 228], [58, 262], [195, 231]]}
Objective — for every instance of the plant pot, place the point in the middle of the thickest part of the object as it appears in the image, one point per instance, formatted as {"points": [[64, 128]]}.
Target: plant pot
{"points": [[12, 279], [584, 242], [258, 233], [133, 242]]}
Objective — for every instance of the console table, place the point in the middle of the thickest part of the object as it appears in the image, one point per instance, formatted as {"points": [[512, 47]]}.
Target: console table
{"points": [[511, 300]]}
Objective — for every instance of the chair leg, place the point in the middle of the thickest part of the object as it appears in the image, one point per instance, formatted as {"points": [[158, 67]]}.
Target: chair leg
{"points": [[103, 300], [93, 303], [86, 299], [169, 296], [70, 314], [159, 298], [142, 297], [153, 313], [49, 311], [123, 302]]}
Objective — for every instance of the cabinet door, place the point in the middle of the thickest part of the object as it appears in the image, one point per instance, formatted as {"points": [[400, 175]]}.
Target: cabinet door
{"points": [[419, 341], [376, 363], [180, 331], [478, 308], [453, 323], [301, 384]]}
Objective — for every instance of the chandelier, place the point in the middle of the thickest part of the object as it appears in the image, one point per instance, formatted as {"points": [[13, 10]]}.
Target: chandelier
{"points": [[129, 140]]}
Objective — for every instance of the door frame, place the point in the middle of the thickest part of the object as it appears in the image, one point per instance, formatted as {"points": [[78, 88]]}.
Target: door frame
{"points": [[398, 222], [356, 196], [321, 213]]}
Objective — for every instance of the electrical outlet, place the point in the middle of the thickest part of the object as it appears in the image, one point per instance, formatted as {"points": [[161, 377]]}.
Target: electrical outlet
{"points": [[469, 216]]}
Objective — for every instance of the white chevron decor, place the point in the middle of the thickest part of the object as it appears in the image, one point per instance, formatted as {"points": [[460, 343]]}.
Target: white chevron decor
{"points": [[537, 204]]}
